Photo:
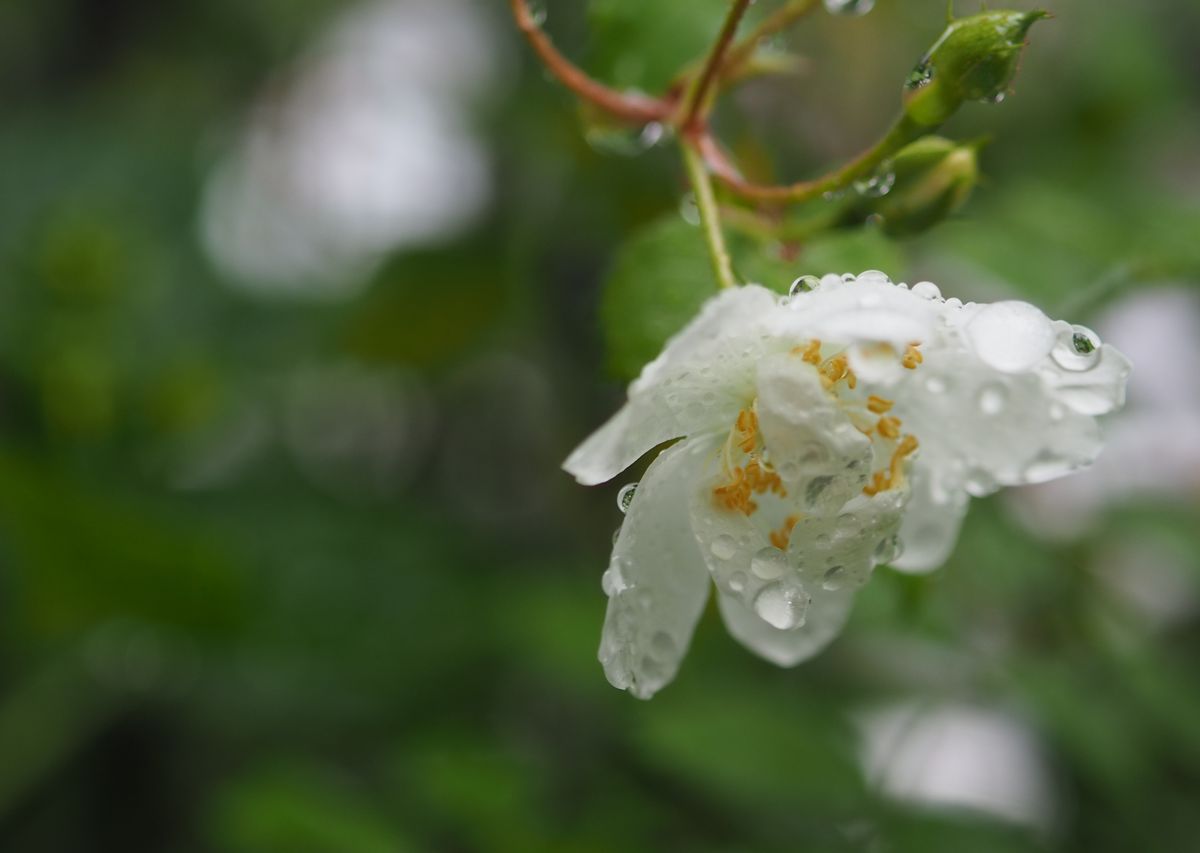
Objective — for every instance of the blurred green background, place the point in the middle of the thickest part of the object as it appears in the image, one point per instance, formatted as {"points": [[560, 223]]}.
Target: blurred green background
{"points": [[299, 313]]}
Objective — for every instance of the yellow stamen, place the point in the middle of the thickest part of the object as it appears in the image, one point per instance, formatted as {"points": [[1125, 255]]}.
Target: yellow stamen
{"points": [[747, 430], [912, 356], [811, 352], [878, 405], [889, 427], [779, 538]]}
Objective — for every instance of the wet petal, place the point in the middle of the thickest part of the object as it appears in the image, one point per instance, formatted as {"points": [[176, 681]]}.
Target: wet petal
{"points": [[657, 581], [826, 613], [932, 519], [697, 385]]}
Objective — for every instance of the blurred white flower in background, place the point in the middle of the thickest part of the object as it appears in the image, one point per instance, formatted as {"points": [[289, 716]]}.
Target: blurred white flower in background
{"points": [[365, 147], [959, 757]]}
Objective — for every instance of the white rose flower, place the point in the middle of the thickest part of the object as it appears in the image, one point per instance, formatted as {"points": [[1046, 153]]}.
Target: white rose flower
{"points": [[817, 436]]}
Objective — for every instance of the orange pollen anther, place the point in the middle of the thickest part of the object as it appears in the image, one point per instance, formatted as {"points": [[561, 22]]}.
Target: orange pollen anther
{"points": [[878, 405], [811, 352], [912, 356], [889, 427], [747, 430], [779, 538]]}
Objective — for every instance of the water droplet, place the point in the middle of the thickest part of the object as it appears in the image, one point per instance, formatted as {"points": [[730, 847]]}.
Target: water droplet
{"points": [[723, 547], [874, 277], [612, 581], [954, 302], [849, 7], [689, 210], [921, 76], [782, 606], [833, 578], [804, 284], [1047, 465], [979, 483], [662, 646], [927, 290], [888, 549], [822, 540], [1011, 336], [876, 186], [769, 564], [997, 98], [537, 11], [848, 524], [737, 582], [935, 385], [625, 496], [1077, 349], [653, 134], [992, 399]]}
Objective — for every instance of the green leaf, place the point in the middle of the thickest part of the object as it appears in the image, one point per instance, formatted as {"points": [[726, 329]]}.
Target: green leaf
{"points": [[658, 282], [643, 45], [661, 278]]}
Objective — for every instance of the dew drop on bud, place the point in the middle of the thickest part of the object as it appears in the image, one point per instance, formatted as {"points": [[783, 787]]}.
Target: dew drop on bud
{"points": [[849, 7], [876, 186], [625, 496]]}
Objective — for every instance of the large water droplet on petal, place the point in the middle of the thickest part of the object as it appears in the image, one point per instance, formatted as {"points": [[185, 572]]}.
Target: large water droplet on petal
{"points": [[782, 606], [804, 284], [1077, 349], [769, 564], [723, 547], [849, 7], [1011, 337], [927, 290], [625, 496]]}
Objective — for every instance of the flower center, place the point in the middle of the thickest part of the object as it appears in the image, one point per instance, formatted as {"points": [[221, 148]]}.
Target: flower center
{"points": [[748, 473]]}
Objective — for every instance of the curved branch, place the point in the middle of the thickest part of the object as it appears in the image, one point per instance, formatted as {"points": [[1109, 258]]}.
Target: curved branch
{"points": [[630, 106], [713, 64], [902, 132]]}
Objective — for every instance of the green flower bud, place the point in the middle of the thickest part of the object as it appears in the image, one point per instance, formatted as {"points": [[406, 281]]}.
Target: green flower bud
{"points": [[929, 179], [974, 60]]}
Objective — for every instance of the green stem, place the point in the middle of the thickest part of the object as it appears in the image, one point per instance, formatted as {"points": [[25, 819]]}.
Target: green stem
{"points": [[902, 132], [710, 219]]}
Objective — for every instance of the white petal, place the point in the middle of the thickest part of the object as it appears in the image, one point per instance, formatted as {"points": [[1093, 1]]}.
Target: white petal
{"points": [[826, 614], [738, 312], [697, 385], [931, 522], [986, 428], [657, 581], [869, 309]]}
